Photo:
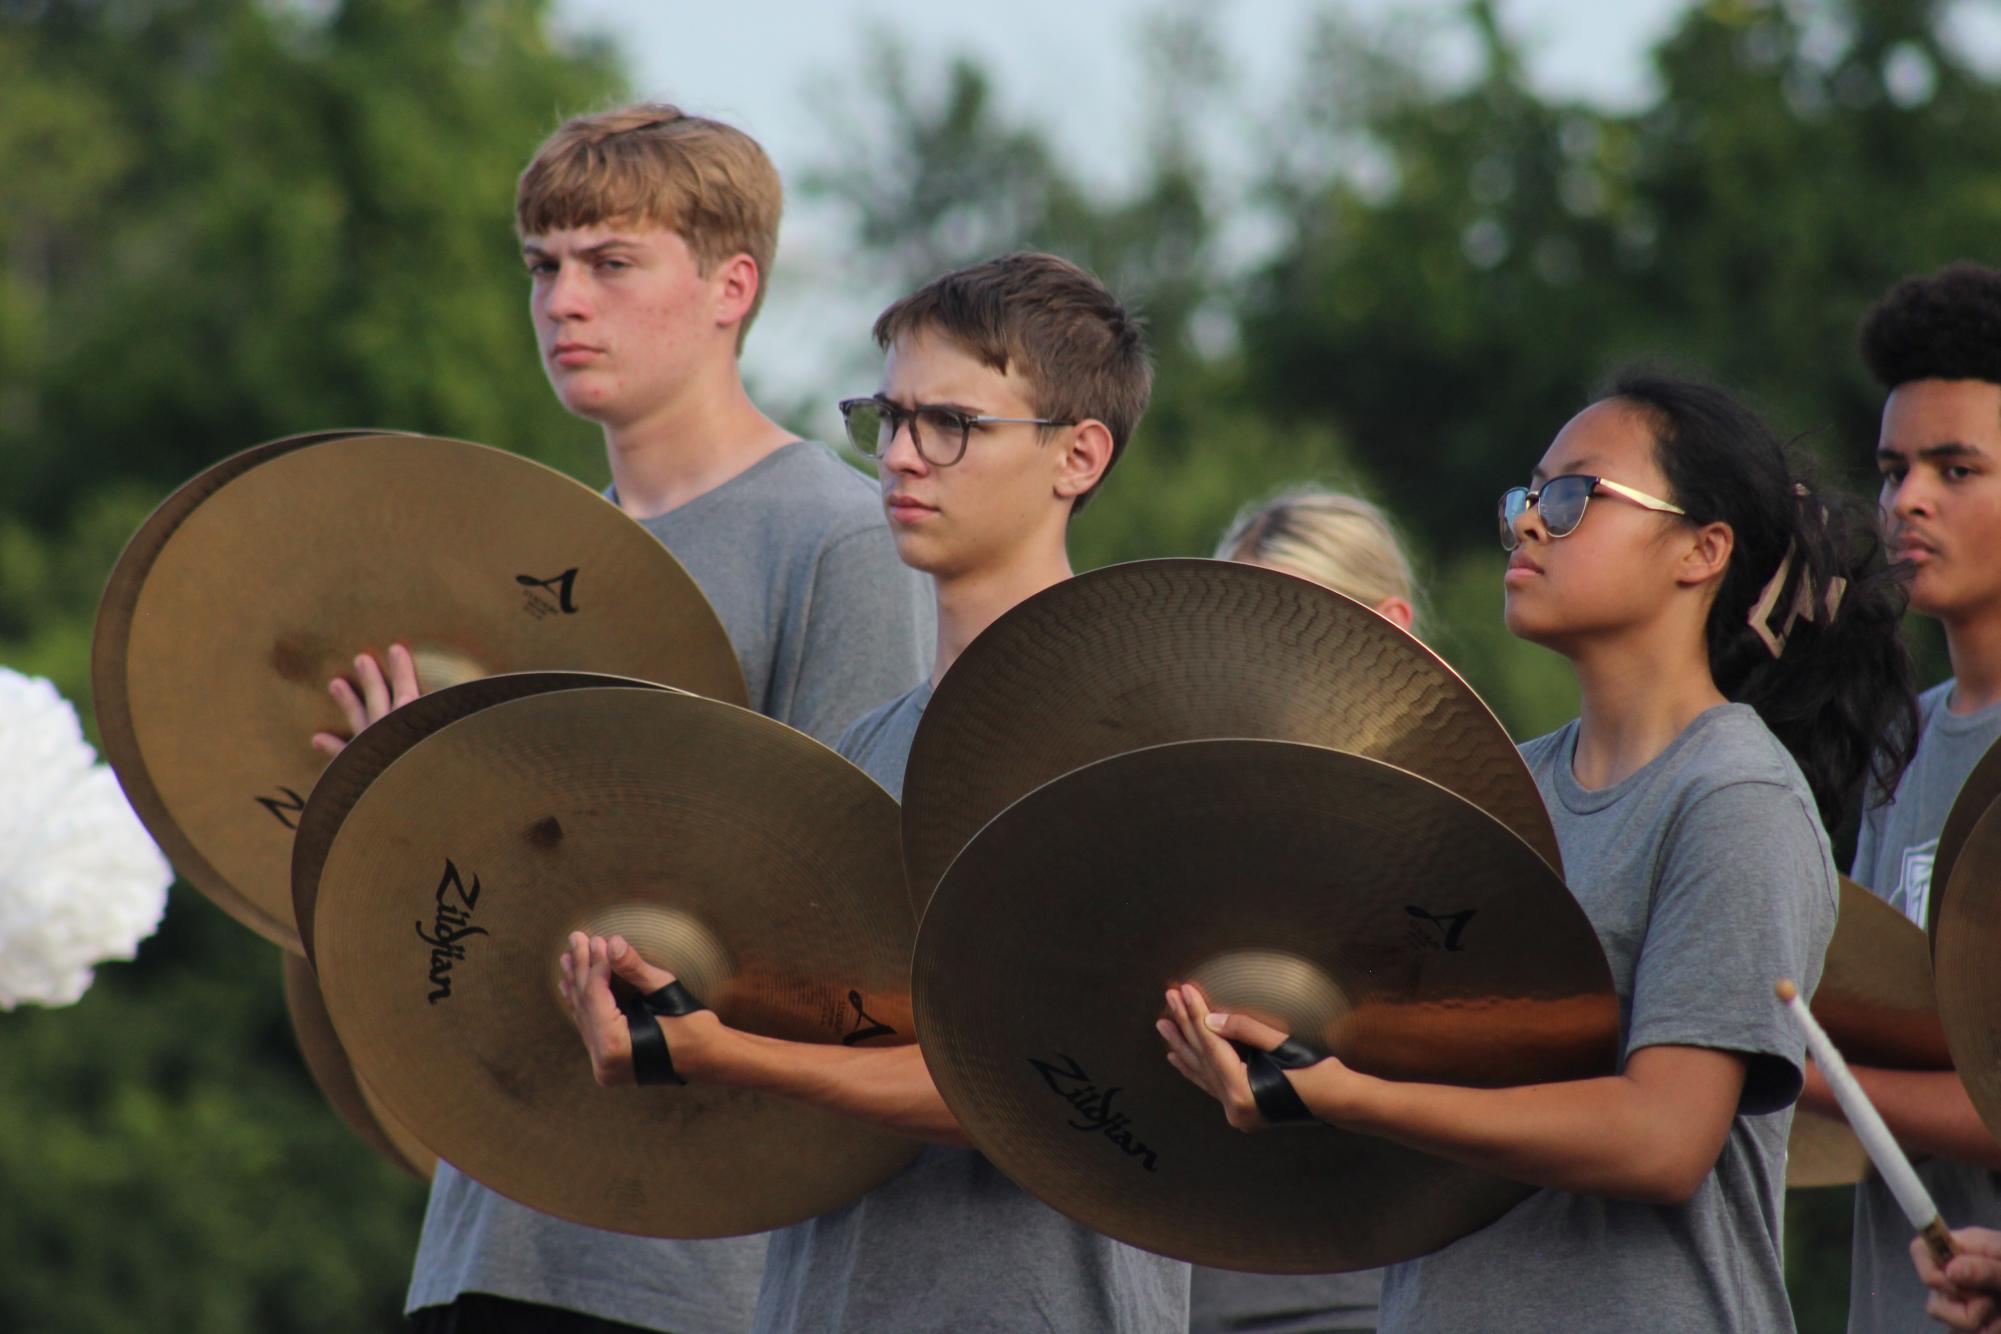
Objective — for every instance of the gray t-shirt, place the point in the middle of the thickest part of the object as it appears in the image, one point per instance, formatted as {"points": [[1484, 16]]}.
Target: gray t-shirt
{"points": [[1893, 858], [1223, 1301], [950, 1243], [1707, 877], [796, 557]]}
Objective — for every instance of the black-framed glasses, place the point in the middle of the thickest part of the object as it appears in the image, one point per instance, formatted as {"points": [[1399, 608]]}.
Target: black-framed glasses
{"points": [[940, 434], [1561, 502]]}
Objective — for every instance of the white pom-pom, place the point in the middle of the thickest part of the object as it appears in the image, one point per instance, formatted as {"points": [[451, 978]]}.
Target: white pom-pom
{"points": [[80, 879]]}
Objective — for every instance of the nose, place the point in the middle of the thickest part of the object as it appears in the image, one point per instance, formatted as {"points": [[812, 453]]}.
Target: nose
{"points": [[1908, 499], [900, 456], [564, 296], [1528, 524]]}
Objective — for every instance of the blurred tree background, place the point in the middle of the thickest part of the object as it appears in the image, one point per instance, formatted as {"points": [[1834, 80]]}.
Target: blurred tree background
{"points": [[227, 220]]}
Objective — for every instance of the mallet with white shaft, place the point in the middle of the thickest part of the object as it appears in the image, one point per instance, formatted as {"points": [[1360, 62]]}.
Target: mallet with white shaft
{"points": [[1891, 1165]]}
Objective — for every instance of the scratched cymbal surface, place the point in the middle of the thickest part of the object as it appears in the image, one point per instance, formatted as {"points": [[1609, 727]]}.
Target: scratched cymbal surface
{"points": [[261, 579], [745, 857], [1876, 1001], [326, 1061], [1160, 651], [1977, 795], [1963, 965], [382, 743], [1357, 906]]}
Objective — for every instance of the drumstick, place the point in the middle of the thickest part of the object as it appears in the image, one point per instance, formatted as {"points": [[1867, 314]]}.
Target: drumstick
{"points": [[1863, 1118]]}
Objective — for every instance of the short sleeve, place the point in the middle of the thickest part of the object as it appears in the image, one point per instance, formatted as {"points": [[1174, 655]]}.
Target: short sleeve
{"points": [[866, 635], [1746, 895]]}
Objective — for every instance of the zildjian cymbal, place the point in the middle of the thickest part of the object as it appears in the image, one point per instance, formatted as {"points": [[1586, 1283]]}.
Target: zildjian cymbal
{"points": [[1876, 1002], [258, 581], [1160, 651], [1361, 908], [1977, 795], [382, 744], [757, 865], [1969, 985], [327, 1063]]}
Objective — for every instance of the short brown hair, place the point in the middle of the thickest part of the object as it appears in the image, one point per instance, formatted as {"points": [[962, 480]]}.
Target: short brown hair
{"points": [[1081, 353], [707, 182]]}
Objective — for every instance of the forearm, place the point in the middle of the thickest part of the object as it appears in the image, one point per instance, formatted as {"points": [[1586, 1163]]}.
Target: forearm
{"points": [[1606, 1136], [1928, 1111], [889, 1087]]}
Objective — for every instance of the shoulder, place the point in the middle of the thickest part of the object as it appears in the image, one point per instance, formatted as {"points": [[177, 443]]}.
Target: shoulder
{"points": [[885, 721], [814, 495], [1539, 752]]}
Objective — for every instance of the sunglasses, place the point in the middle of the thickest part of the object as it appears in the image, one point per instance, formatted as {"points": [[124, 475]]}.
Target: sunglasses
{"points": [[1561, 502]]}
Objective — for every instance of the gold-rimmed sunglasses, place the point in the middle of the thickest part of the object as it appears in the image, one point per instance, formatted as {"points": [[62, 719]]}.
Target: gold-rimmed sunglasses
{"points": [[1561, 502]]}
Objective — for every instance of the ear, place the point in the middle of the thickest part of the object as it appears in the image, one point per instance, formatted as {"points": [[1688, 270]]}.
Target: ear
{"points": [[1706, 556], [735, 282], [1083, 459], [1397, 611]]}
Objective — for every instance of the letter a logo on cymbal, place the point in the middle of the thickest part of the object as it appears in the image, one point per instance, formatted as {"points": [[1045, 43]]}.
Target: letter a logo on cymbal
{"points": [[561, 585]]}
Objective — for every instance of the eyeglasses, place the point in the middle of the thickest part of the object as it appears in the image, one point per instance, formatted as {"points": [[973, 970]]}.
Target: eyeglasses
{"points": [[939, 433], [1561, 502]]}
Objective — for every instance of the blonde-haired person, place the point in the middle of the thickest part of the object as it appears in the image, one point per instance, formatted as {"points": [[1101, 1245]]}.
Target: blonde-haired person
{"points": [[648, 236], [1338, 540], [1349, 545]]}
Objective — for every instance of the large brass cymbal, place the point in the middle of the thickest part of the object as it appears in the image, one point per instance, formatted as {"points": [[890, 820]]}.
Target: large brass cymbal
{"points": [[1875, 1000], [752, 861], [327, 1063], [260, 579], [1357, 906], [1977, 795], [1160, 651], [383, 743], [1969, 985]]}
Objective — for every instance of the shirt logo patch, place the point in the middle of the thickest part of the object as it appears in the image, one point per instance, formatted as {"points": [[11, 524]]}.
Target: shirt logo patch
{"points": [[1914, 881]]}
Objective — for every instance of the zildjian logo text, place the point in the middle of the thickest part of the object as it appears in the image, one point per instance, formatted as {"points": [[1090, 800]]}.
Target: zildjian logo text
{"points": [[451, 924], [1094, 1106]]}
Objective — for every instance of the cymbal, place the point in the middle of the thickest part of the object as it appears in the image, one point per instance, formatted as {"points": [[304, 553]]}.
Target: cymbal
{"points": [[327, 1063], [1876, 1002], [1969, 989], [746, 857], [1976, 796], [259, 580], [1161, 651], [1359, 907], [348, 775]]}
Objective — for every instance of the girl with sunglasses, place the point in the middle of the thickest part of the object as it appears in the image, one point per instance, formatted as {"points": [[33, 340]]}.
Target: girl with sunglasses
{"points": [[1734, 634]]}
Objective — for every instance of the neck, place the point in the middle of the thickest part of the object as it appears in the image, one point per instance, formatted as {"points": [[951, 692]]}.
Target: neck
{"points": [[969, 603], [1636, 698], [1973, 643], [687, 446]]}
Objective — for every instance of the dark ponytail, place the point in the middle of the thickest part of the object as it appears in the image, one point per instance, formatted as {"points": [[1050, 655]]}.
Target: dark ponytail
{"points": [[1840, 692]]}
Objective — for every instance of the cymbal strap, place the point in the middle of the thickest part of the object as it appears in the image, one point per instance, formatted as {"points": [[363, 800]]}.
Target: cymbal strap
{"points": [[652, 1062], [1278, 1101]]}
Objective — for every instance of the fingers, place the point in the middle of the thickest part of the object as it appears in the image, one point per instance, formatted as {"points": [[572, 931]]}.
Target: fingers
{"points": [[1974, 1272], [1243, 1028], [329, 745], [1976, 1314], [403, 687], [373, 685]]}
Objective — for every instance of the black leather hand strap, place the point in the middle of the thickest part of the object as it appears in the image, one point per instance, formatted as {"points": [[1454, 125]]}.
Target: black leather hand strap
{"points": [[652, 1063], [1278, 1101]]}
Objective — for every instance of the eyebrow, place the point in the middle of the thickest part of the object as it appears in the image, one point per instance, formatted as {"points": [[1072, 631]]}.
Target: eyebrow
{"points": [[1948, 450], [1578, 465], [530, 249]]}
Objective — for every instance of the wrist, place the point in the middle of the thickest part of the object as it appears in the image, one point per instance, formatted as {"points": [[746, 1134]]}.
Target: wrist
{"points": [[1338, 1095]]}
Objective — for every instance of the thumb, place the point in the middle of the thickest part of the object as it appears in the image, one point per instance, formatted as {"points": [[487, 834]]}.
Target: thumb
{"points": [[1242, 1028], [625, 961]]}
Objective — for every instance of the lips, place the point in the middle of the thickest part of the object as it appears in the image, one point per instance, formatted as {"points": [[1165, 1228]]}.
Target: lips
{"points": [[573, 354], [1909, 546], [1521, 561], [907, 507]]}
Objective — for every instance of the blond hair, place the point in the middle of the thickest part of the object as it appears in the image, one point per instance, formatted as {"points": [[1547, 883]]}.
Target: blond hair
{"points": [[1341, 541], [651, 163]]}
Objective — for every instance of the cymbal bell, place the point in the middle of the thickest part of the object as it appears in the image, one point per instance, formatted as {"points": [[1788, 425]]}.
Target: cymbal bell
{"points": [[1976, 796], [1160, 651], [383, 743], [1876, 1001], [753, 862], [1969, 990], [258, 581], [327, 1063], [1354, 905]]}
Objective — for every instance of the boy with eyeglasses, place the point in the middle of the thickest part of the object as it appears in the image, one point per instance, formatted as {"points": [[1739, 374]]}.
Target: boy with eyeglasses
{"points": [[648, 235], [1009, 390], [1934, 344]]}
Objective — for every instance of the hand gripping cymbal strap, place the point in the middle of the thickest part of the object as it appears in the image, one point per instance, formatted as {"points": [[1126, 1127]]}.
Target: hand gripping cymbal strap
{"points": [[1278, 1101], [652, 1063]]}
